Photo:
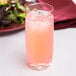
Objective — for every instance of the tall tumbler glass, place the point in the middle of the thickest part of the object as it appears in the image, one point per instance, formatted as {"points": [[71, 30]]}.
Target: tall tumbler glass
{"points": [[39, 26]]}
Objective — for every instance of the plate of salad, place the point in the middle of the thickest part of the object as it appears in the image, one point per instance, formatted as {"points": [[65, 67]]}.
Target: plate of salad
{"points": [[12, 15]]}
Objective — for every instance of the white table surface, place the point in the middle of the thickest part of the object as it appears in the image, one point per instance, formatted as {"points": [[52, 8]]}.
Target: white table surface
{"points": [[12, 55]]}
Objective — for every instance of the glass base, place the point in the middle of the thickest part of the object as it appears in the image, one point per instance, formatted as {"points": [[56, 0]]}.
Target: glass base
{"points": [[38, 67]]}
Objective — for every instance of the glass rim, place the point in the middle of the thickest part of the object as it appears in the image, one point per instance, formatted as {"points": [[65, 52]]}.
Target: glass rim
{"points": [[41, 3]]}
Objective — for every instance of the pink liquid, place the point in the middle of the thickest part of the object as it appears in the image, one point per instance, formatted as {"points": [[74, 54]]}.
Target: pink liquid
{"points": [[39, 37]]}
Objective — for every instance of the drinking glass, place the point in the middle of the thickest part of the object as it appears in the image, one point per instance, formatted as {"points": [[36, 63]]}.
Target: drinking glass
{"points": [[39, 25]]}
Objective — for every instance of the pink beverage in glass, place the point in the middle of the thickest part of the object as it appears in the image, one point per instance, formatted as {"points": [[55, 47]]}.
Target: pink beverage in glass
{"points": [[39, 37]]}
